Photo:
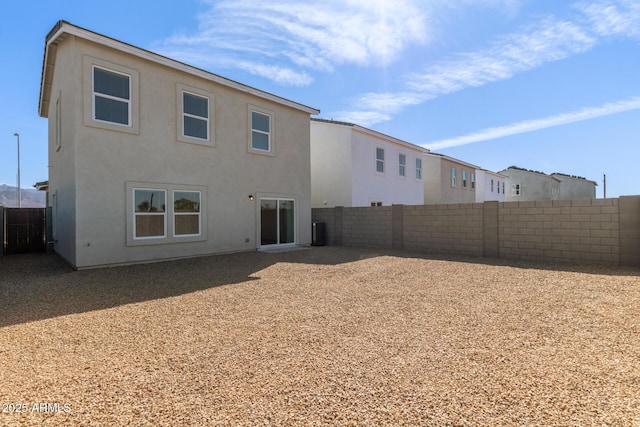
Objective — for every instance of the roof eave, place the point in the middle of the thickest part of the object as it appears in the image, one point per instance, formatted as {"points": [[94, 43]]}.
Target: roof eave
{"points": [[63, 27]]}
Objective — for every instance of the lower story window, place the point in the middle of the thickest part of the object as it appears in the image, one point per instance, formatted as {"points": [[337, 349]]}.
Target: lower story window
{"points": [[150, 216], [165, 213], [186, 213]]}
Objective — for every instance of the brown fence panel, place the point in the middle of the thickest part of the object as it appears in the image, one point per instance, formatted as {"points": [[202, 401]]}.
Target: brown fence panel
{"points": [[24, 230]]}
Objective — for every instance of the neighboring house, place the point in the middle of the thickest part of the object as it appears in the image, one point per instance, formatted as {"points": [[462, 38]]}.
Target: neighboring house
{"points": [[490, 186], [154, 159], [355, 166], [575, 187], [448, 180], [529, 185]]}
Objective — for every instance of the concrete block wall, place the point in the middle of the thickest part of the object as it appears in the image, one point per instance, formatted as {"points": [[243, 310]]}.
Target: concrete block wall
{"points": [[603, 231], [452, 228], [560, 230], [369, 227]]}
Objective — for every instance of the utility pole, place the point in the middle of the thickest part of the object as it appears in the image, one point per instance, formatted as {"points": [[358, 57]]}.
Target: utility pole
{"points": [[605, 185], [18, 195]]}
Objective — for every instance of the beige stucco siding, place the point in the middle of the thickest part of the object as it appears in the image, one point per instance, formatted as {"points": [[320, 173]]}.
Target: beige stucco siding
{"points": [[96, 164]]}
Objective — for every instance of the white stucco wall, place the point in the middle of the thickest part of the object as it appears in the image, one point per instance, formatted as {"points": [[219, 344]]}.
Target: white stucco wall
{"points": [[331, 166], [484, 191], [389, 187], [343, 167]]}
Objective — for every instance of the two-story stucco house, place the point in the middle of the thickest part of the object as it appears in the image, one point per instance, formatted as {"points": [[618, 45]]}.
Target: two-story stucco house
{"points": [[449, 180], [154, 159], [528, 185], [355, 166]]}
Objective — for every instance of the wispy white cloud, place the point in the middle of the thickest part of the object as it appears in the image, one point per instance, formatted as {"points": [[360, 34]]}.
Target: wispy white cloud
{"points": [[538, 124], [613, 17], [295, 37], [550, 39]]}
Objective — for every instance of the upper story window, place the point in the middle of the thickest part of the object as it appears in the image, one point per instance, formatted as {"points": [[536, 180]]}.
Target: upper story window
{"points": [[111, 96], [492, 186], [260, 131], [418, 168], [380, 160], [473, 180], [515, 189], [464, 178], [195, 116], [402, 165], [453, 177]]}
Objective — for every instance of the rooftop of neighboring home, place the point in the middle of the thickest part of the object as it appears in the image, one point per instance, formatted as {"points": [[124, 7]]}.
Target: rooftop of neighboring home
{"points": [[372, 133], [558, 176]]}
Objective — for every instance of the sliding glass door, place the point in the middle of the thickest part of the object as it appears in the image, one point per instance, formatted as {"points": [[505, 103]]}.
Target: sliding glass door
{"points": [[277, 222]]}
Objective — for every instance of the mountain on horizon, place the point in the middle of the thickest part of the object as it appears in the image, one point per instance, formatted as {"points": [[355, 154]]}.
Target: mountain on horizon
{"points": [[30, 197]]}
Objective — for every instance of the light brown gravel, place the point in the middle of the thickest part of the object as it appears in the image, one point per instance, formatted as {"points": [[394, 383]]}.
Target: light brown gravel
{"points": [[322, 336]]}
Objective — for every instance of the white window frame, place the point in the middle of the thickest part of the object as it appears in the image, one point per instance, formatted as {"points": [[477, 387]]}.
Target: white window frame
{"points": [[473, 180], [210, 119], [258, 110], [516, 190], [136, 214], [492, 186], [453, 176], [95, 95], [380, 161], [133, 126], [402, 165], [418, 168], [464, 178], [177, 214], [169, 227]]}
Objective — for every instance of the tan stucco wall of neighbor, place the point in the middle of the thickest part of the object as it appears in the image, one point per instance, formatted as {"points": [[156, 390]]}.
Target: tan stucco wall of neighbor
{"points": [[437, 183], [91, 171], [602, 231]]}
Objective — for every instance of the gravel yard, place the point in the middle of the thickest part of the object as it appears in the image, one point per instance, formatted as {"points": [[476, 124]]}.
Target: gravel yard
{"points": [[321, 336]]}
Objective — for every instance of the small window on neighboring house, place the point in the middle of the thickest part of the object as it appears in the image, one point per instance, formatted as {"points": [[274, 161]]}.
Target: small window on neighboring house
{"points": [[492, 186], [380, 160], [111, 96], [150, 218], [453, 177], [515, 189], [473, 180], [376, 203], [186, 212], [402, 165], [418, 168], [260, 132], [464, 178], [502, 187], [195, 116]]}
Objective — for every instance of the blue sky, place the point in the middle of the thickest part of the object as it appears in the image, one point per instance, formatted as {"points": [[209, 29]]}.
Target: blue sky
{"points": [[552, 86]]}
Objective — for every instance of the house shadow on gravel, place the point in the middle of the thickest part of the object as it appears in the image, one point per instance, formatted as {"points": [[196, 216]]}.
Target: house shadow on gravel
{"points": [[41, 286]]}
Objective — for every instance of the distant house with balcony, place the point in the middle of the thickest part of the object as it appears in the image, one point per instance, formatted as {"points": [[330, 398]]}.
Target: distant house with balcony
{"points": [[354, 166]]}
